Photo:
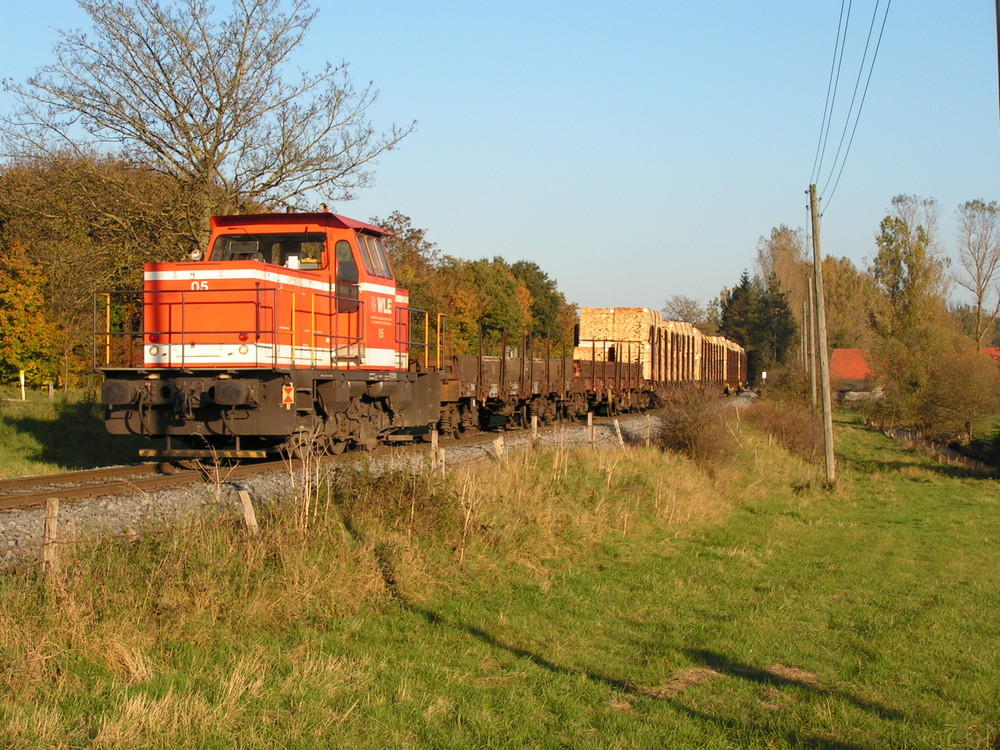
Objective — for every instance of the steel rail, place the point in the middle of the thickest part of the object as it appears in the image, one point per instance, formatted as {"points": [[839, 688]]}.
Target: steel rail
{"points": [[26, 492]]}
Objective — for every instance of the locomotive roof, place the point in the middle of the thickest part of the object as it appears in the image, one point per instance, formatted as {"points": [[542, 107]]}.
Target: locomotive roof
{"points": [[323, 219]]}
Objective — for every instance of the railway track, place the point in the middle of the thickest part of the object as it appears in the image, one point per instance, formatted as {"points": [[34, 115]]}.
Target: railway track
{"points": [[139, 479], [26, 492]]}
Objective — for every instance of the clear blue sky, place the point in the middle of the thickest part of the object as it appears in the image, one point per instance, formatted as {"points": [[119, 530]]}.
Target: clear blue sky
{"points": [[636, 150]]}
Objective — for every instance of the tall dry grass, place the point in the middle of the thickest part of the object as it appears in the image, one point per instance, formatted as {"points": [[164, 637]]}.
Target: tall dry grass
{"points": [[788, 420], [175, 639]]}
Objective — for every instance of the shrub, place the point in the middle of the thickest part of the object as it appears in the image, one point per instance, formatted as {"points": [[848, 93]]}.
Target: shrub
{"points": [[960, 389], [789, 422], [697, 423]]}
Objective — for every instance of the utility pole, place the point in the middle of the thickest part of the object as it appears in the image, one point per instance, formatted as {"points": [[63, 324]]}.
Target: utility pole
{"points": [[824, 358], [804, 356], [812, 347]]}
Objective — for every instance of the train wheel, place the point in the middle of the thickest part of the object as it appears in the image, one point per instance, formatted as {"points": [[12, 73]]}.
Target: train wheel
{"points": [[331, 446], [299, 445]]}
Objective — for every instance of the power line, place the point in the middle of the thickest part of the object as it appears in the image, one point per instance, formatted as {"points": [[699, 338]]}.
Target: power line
{"points": [[854, 96], [864, 94], [831, 88]]}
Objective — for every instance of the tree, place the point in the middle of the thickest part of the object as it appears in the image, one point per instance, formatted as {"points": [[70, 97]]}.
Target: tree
{"points": [[415, 261], [782, 255], [775, 329], [908, 270], [912, 332], [204, 101], [688, 310], [551, 316], [848, 293], [979, 258], [736, 310], [962, 387], [757, 316], [88, 224], [28, 339]]}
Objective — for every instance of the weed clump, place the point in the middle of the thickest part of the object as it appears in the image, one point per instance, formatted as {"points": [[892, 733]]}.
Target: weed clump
{"points": [[696, 423], [788, 422]]}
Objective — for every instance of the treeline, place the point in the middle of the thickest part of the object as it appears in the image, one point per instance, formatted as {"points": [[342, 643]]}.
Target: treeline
{"points": [[73, 226], [483, 298], [68, 227], [924, 351]]}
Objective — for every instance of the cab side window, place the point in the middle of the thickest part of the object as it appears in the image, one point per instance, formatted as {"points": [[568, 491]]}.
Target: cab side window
{"points": [[378, 252], [346, 287], [373, 254]]}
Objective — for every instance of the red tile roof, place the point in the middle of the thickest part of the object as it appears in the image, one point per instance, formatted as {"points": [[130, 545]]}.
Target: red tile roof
{"points": [[849, 364], [993, 351]]}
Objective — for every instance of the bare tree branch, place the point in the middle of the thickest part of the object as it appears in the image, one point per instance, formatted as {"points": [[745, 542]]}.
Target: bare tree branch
{"points": [[203, 101], [978, 230]]}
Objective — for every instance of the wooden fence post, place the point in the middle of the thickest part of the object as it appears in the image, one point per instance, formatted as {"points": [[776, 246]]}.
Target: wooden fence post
{"points": [[50, 557], [437, 453], [618, 432], [249, 516], [591, 435]]}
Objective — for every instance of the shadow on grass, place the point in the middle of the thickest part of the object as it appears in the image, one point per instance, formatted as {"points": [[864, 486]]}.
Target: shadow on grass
{"points": [[434, 618], [706, 659], [775, 678], [873, 466], [75, 438], [871, 451]]}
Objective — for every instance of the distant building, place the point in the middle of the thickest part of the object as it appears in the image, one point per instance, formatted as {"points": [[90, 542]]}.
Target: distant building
{"points": [[851, 376], [849, 364], [993, 351]]}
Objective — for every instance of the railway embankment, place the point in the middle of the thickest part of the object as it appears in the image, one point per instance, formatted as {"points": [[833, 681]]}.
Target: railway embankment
{"points": [[125, 514]]}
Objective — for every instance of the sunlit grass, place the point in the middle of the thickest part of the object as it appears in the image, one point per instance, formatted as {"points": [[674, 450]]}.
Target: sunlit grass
{"points": [[559, 598]]}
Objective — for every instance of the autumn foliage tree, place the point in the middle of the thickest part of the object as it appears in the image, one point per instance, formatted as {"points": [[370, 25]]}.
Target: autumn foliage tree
{"points": [[88, 224], [29, 339], [908, 315], [484, 297]]}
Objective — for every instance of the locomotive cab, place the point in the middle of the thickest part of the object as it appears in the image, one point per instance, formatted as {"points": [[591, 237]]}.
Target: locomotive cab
{"points": [[295, 290]]}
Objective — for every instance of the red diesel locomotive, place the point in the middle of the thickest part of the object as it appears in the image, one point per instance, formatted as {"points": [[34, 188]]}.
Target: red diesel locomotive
{"points": [[292, 333]]}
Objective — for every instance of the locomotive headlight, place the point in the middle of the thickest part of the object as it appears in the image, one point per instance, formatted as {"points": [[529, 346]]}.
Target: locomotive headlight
{"points": [[154, 350], [244, 348]]}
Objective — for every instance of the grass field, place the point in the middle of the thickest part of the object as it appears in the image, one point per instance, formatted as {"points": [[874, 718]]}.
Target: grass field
{"points": [[43, 436], [585, 600]]}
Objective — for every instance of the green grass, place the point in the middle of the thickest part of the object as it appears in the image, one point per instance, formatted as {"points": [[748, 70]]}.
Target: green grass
{"points": [[42, 436], [610, 600]]}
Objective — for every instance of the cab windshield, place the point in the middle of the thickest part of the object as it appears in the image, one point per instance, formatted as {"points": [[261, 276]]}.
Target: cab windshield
{"points": [[293, 250]]}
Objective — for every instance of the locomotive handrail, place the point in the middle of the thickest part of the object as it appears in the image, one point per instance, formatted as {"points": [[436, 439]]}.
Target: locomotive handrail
{"points": [[401, 327], [267, 334]]}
